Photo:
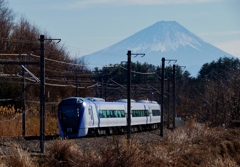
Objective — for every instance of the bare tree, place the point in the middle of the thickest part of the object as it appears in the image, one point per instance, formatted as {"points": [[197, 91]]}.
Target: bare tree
{"points": [[6, 23]]}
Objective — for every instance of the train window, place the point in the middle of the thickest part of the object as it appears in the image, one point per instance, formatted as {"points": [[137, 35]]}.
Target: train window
{"points": [[108, 113], [100, 114], [111, 113], [104, 114], [115, 113], [122, 113], [156, 112], [140, 113]]}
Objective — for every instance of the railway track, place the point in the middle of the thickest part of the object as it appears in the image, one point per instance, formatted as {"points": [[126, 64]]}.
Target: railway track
{"points": [[32, 144]]}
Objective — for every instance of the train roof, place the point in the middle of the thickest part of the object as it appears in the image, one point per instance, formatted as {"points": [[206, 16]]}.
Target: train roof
{"points": [[97, 99], [146, 101], [101, 100], [125, 100]]}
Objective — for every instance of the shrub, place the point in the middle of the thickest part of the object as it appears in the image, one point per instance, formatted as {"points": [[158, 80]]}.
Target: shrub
{"points": [[19, 158], [63, 153]]}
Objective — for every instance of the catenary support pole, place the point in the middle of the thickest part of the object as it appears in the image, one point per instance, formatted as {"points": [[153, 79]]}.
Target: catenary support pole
{"points": [[129, 95], [102, 89], [42, 94], [174, 95], [23, 101], [162, 96], [168, 112]]}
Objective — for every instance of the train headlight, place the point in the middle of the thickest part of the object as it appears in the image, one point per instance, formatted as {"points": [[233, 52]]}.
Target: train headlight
{"points": [[78, 112]]}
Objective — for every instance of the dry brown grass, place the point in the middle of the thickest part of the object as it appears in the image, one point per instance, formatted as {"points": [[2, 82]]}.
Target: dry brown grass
{"points": [[7, 110], [122, 153], [19, 158], [191, 145], [11, 123], [195, 145], [66, 153], [62, 153], [10, 126], [33, 125]]}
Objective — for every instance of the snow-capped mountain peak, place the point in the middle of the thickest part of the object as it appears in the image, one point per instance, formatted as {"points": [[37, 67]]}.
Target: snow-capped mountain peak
{"points": [[163, 39], [162, 36]]}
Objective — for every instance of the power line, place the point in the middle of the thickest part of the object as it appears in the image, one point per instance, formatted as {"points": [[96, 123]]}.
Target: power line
{"points": [[18, 40], [47, 84], [135, 72]]}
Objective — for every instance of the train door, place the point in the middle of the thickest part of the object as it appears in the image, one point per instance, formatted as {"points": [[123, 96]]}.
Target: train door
{"points": [[91, 117], [150, 114], [126, 114], [146, 108]]}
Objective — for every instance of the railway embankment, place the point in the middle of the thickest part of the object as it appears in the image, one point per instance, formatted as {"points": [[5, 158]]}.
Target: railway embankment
{"points": [[189, 145]]}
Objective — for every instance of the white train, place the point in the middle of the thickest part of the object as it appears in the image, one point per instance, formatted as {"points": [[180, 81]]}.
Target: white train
{"points": [[79, 117]]}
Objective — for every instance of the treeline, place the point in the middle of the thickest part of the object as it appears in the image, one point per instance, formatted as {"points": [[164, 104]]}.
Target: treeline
{"points": [[20, 38], [213, 96], [145, 80]]}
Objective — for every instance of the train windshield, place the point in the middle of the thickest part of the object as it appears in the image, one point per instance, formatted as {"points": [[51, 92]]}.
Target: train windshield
{"points": [[69, 115], [68, 102]]}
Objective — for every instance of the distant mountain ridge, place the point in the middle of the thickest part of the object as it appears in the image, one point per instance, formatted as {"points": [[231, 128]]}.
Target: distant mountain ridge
{"points": [[163, 39]]}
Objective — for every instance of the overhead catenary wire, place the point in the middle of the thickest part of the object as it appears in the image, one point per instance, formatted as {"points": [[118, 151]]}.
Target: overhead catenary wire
{"points": [[118, 84], [87, 51], [18, 40], [135, 72], [59, 85], [32, 81], [73, 64], [67, 71], [47, 84], [66, 46], [48, 59], [96, 52]]}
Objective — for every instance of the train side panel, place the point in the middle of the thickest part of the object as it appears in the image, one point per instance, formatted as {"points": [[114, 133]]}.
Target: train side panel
{"points": [[111, 114], [155, 113], [139, 114]]}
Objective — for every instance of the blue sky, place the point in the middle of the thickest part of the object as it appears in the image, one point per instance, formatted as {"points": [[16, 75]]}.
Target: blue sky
{"points": [[86, 26]]}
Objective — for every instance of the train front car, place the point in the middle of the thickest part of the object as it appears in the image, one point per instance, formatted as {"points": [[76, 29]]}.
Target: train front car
{"points": [[70, 117]]}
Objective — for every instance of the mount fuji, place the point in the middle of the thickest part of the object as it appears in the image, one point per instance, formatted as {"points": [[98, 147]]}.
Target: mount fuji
{"points": [[163, 39]]}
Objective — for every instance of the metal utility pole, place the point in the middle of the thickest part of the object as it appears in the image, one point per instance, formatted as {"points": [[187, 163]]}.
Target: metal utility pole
{"points": [[162, 95], [105, 90], [174, 95], [129, 95], [42, 93], [102, 88], [168, 112], [23, 101], [129, 54]]}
